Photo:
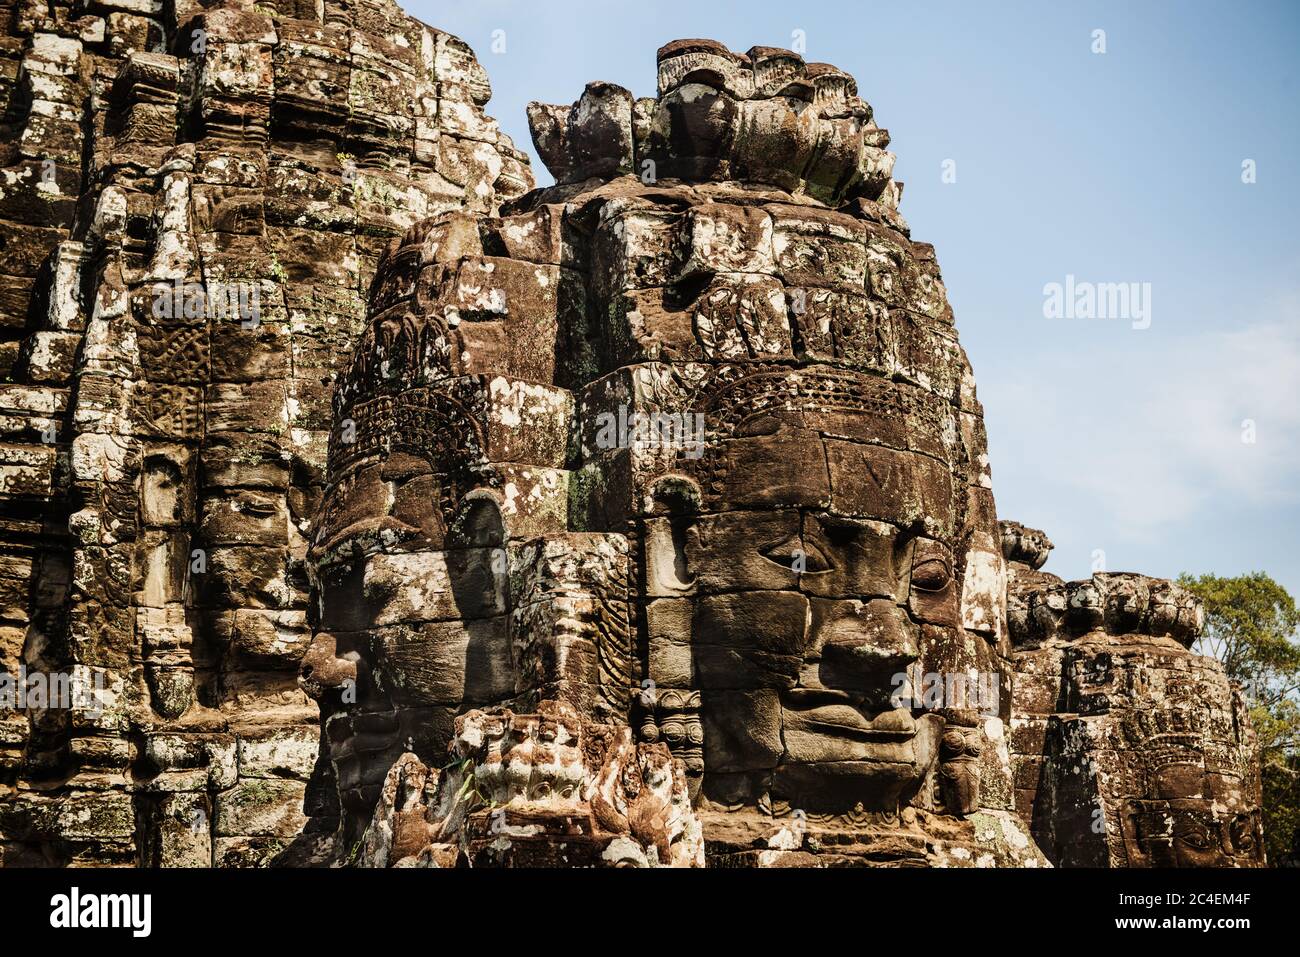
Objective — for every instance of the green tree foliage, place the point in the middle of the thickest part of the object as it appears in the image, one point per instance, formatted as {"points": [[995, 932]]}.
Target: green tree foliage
{"points": [[1281, 785], [1250, 626]]}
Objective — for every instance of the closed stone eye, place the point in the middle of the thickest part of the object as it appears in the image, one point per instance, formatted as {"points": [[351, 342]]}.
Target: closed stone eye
{"points": [[797, 555], [1195, 836]]}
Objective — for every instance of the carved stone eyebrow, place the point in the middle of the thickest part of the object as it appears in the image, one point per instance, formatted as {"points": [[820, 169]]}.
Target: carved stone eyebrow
{"points": [[841, 523]]}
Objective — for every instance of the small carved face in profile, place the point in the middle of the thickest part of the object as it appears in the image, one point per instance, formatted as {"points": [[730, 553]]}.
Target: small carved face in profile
{"points": [[816, 567]]}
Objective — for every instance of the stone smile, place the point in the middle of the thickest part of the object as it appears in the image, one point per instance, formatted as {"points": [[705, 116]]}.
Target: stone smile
{"points": [[844, 718]]}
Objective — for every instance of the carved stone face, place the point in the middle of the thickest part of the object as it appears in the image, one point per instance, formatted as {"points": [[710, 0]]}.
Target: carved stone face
{"points": [[768, 582], [816, 569], [411, 621], [1189, 832], [1195, 811], [1154, 733]]}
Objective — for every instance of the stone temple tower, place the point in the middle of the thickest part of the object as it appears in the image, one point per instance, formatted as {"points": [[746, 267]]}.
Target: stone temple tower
{"points": [[193, 196], [380, 509], [659, 529]]}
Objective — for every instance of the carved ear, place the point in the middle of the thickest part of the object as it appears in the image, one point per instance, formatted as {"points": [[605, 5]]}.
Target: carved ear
{"points": [[674, 500], [674, 496], [477, 522], [162, 481]]}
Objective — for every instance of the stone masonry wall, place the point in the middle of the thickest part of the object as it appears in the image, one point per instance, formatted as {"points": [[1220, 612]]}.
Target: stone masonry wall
{"points": [[192, 200]]}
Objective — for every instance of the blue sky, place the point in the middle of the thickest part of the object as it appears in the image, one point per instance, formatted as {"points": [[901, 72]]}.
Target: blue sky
{"points": [[1117, 167]]}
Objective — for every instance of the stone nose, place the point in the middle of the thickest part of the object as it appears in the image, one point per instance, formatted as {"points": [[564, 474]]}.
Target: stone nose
{"points": [[323, 670], [861, 642]]}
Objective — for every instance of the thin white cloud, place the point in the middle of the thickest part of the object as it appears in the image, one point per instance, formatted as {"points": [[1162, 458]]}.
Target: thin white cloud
{"points": [[1143, 438]]}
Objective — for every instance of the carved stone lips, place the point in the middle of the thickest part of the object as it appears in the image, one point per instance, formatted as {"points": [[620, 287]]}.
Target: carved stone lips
{"points": [[819, 712]]}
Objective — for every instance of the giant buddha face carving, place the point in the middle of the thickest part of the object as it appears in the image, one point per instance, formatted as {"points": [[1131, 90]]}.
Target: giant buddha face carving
{"points": [[1155, 734], [804, 562], [761, 584], [764, 585], [411, 593], [1196, 812], [1188, 833]]}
